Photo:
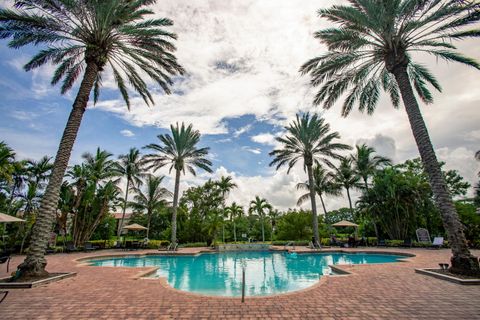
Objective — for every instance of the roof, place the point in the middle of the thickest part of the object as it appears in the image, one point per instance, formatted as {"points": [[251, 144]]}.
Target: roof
{"points": [[118, 215]]}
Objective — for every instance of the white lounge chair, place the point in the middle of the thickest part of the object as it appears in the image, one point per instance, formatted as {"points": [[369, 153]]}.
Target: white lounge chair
{"points": [[437, 242]]}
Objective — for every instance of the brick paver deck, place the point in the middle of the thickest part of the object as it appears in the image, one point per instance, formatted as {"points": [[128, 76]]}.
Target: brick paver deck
{"points": [[389, 291]]}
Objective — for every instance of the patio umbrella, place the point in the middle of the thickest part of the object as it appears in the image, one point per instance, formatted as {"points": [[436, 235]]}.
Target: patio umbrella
{"points": [[4, 218], [345, 223], [134, 227]]}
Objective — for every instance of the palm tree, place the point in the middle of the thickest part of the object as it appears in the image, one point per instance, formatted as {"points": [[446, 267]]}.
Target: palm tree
{"points": [[87, 37], [308, 139], [274, 214], [371, 49], [180, 151], [99, 166], [348, 178], [225, 185], [234, 211], [152, 200], [366, 165], [40, 170], [477, 156], [261, 207], [325, 185], [7, 157], [130, 166]]}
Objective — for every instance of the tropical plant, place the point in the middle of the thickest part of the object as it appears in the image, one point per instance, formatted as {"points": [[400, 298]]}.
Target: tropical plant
{"points": [[347, 177], [226, 185], [130, 166], [152, 200], [325, 185], [371, 48], [40, 170], [295, 225], [7, 157], [366, 164], [234, 211], [87, 36], [261, 207], [99, 166], [308, 139], [179, 151]]}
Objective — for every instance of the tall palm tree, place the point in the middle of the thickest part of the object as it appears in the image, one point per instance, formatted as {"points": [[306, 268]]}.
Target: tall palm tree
{"points": [[366, 164], [261, 207], [371, 48], [87, 37], [234, 211], [347, 177], [225, 184], [179, 151], [129, 166], [153, 199], [308, 139], [325, 185]]}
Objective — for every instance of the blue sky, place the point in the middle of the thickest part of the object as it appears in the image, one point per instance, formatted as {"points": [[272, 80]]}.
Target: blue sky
{"points": [[243, 86]]}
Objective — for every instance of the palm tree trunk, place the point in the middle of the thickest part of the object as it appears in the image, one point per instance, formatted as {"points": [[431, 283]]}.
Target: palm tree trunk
{"points": [[311, 184], [349, 200], [149, 219], [323, 204], [234, 232], [462, 261], [365, 181], [263, 229], [175, 205], [35, 262], [124, 209]]}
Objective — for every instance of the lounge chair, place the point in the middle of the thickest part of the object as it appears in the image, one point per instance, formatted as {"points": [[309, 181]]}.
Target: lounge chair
{"points": [[5, 258], [381, 243], [88, 246], [437, 242], [70, 247], [407, 243], [5, 293]]}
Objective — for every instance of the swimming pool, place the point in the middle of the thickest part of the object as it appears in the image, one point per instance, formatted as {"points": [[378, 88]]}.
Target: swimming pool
{"points": [[267, 272]]}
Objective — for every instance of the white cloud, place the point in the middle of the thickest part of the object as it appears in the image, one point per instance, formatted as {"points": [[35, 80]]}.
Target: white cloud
{"points": [[237, 133], [252, 150], [127, 133], [265, 138]]}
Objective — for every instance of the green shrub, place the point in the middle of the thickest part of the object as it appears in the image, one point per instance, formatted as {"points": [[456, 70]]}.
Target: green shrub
{"points": [[193, 244], [155, 244]]}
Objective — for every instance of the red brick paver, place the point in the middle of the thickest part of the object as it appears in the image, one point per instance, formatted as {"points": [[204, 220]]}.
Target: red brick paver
{"points": [[389, 291]]}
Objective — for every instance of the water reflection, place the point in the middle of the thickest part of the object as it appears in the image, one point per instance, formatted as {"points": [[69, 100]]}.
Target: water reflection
{"points": [[266, 272]]}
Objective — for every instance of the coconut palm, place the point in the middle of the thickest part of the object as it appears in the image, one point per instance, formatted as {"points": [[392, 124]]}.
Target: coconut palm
{"points": [[87, 37], [234, 211], [308, 139], [179, 151], [261, 207], [130, 167], [324, 185], [347, 177], [152, 199], [225, 185], [371, 48]]}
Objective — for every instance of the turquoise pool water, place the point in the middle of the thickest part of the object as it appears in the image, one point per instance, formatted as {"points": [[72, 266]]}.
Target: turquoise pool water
{"points": [[267, 272]]}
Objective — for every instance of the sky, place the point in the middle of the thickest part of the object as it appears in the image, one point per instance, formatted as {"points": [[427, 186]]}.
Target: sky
{"points": [[242, 87]]}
